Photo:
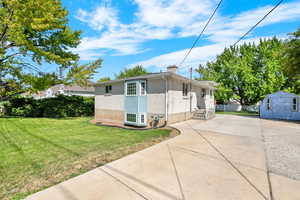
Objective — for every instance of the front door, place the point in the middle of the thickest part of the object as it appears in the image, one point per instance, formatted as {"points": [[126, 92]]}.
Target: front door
{"points": [[135, 102]]}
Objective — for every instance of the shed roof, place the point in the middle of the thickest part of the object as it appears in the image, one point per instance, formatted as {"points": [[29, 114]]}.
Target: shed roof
{"points": [[278, 93]]}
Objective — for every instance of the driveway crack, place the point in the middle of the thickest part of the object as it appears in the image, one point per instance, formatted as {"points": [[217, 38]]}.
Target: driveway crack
{"points": [[267, 165], [230, 163], [176, 173]]}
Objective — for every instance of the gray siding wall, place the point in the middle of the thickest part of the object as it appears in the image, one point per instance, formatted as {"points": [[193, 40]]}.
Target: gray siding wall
{"points": [[156, 96], [281, 107], [115, 101]]}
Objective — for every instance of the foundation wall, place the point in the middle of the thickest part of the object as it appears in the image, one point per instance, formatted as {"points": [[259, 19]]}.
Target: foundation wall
{"points": [[178, 117], [113, 115]]}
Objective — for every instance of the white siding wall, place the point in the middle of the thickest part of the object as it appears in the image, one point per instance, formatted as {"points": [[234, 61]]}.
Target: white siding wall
{"points": [[177, 102]]}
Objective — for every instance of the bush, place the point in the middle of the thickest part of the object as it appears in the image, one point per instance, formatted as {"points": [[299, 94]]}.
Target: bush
{"points": [[58, 107]]}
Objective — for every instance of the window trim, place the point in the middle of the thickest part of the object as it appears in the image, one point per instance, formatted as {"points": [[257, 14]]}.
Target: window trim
{"points": [[269, 105], [145, 118], [295, 104], [136, 91], [130, 122], [145, 89]]}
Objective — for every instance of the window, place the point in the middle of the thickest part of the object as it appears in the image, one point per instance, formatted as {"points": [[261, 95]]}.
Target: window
{"points": [[211, 93], [269, 104], [131, 89], [203, 92], [108, 89], [131, 117], [185, 89], [143, 88], [142, 118], [295, 104]]}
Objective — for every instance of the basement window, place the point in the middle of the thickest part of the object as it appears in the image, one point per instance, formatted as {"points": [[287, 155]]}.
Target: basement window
{"points": [[108, 89], [131, 117], [142, 118], [295, 105]]}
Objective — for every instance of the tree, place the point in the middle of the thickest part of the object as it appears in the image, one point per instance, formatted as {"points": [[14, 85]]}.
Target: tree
{"points": [[247, 72], [33, 32], [292, 62], [81, 74], [104, 79], [136, 71]]}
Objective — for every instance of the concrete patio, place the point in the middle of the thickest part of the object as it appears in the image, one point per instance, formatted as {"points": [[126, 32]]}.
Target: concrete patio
{"points": [[224, 158]]}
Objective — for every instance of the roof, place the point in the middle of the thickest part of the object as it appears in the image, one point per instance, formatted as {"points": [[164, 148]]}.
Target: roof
{"points": [[162, 75], [278, 93], [75, 88]]}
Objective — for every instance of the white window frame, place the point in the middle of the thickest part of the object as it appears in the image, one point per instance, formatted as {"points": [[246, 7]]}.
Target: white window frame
{"points": [[136, 89], [145, 82], [293, 104], [145, 118], [130, 122]]}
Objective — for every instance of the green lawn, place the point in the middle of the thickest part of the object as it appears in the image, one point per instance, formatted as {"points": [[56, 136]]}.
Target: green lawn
{"points": [[36, 153], [241, 113]]}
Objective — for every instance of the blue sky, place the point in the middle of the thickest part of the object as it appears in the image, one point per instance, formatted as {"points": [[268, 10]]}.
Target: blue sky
{"points": [[158, 33]]}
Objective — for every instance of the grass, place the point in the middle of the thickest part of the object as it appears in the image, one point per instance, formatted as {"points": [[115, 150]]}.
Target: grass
{"points": [[36, 153], [240, 113]]}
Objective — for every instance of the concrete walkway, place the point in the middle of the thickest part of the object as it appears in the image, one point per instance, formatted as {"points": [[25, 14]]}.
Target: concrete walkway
{"points": [[223, 158]]}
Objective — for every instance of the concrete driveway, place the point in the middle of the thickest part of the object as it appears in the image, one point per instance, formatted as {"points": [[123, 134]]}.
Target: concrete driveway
{"points": [[228, 158]]}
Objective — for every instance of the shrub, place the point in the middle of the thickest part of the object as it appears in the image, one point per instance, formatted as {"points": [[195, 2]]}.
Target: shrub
{"points": [[57, 107]]}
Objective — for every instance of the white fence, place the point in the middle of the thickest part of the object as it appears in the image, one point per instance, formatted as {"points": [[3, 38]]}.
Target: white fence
{"points": [[236, 108]]}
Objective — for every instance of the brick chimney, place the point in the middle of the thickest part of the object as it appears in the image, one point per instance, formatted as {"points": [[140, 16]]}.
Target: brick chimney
{"points": [[172, 68]]}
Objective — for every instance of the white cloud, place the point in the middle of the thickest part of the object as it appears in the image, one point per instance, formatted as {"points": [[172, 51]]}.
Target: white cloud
{"points": [[199, 55], [173, 13], [100, 18], [166, 19]]}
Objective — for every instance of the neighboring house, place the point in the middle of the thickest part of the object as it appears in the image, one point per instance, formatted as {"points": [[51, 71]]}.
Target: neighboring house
{"points": [[153, 99], [68, 90], [280, 105]]}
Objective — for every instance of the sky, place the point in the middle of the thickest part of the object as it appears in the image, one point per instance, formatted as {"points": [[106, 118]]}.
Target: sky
{"points": [[158, 33]]}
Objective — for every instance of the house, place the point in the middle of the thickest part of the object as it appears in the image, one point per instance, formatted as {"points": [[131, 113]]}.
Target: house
{"points": [[68, 90], [280, 105], [154, 99]]}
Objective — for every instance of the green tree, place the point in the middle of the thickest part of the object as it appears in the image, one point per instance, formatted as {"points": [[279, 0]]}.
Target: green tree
{"points": [[135, 71], [247, 72], [291, 66], [33, 32], [104, 79]]}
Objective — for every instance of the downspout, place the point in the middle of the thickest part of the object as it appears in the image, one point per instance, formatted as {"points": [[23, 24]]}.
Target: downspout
{"points": [[166, 100]]}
